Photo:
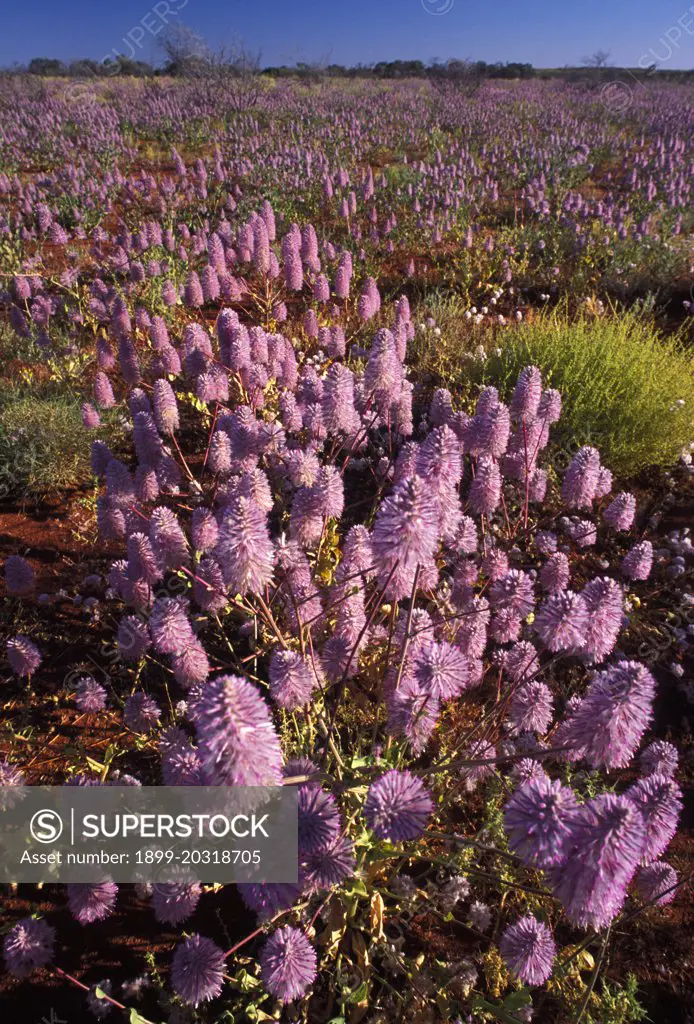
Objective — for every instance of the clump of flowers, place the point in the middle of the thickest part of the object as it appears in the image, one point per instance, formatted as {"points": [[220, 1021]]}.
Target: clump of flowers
{"points": [[372, 596]]}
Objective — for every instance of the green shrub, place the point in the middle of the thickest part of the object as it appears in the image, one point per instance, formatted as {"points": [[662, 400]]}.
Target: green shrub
{"points": [[43, 446], [626, 388]]}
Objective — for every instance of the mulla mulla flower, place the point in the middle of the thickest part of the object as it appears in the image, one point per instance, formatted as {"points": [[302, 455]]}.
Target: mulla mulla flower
{"points": [[23, 656], [141, 712], [288, 964], [165, 407], [606, 727], [528, 949], [406, 530], [485, 490], [530, 708], [659, 758], [554, 574], [28, 945], [204, 529], [244, 549], [397, 806], [197, 970], [638, 561], [660, 802], [90, 902], [413, 711], [175, 901], [514, 592], [19, 576], [581, 479], [237, 742], [562, 621], [133, 638], [328, 865], [604, 849], [527, 395], [292, 679], [170, 626], [538, 820], [265, 899], [620, 513], [657, 883], [441, 669], [319, 819], [168, 539], [89, 695], [604, 599]]}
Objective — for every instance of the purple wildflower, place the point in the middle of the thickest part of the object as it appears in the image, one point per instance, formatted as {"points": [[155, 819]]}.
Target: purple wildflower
{"points": [[103, 393], [397, 806], [406, 530], [319, 819], [288, 964], [562, 621], [165, 407], [441, 669], [660, 758], [238, 744], [197, 970], [656, 883], [538, 820], [204, 529], [638, 561], [604, 600], [527, 394], [485, 490], [620, 513], [191, 666], [28, 945], [133, 638], [554, 574], [169, 626], [266, 898], [23, 655], [606, 844], [607, 726], [91, 902], [581, 478], [660, 802], [529, 950], [174, 902], [530, 708], [89, 695], [209, 589], [244, 549], [292, 679], [141, 713], [167, 537], [329, 865], [19, 576]]}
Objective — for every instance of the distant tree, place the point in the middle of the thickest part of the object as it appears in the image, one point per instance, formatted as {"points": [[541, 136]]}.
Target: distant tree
{"points": [[228, 75], [83, 68], [46, 66], [458, 76], [187, 54], [599, 59]]}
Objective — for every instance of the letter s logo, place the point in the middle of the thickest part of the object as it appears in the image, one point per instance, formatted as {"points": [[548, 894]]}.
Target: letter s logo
{"points": [[46, 826]]}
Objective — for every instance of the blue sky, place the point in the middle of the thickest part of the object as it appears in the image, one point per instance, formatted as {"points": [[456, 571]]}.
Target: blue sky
{"points": [[542, 32]]}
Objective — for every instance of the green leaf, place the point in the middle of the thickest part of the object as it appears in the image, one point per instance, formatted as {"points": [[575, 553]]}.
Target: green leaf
{"points": [[499, 1012], [136, 1018], [517, 1000], [359, 995]]}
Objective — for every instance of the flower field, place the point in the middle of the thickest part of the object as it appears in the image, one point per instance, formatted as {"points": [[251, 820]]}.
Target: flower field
{"points": [[346, 444]]}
